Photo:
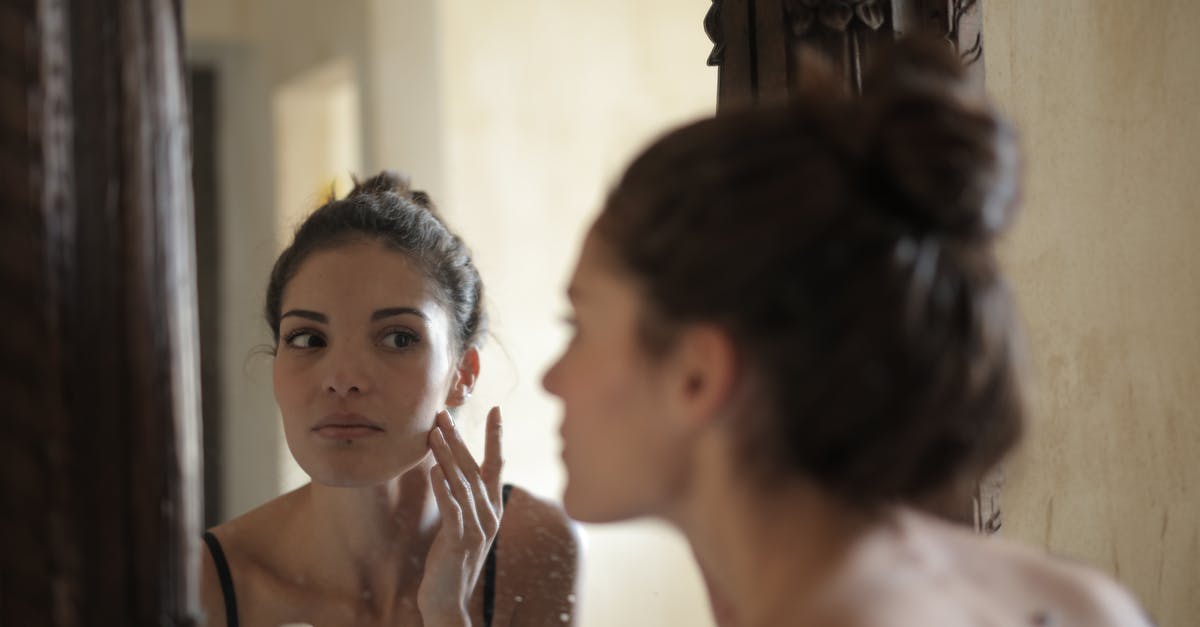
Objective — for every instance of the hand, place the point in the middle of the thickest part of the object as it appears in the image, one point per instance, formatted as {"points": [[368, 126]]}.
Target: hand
{"points": [[468, 497]]}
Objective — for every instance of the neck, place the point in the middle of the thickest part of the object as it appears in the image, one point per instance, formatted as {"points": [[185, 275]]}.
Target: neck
{"points": [[768, 553], [370, 543]]}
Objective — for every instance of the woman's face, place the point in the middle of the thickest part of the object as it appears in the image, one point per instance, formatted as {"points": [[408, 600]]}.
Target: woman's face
{"points": [[363, 364], [622, 452]]}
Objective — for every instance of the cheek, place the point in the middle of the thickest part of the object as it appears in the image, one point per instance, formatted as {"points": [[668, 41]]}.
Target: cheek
{"points": [[294, 397], [603, 395], [413, 386], [617, 449], [286, 385], [407, 394]]}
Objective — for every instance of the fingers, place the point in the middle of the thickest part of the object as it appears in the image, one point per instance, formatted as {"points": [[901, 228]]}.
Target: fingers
{"points": [[493, 460], [479, 519], [485, 488], [460, 485], [458, 448], [452, 517]]}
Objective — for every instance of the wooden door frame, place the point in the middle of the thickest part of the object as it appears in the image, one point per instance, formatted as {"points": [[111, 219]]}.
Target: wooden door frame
{"points": [[101, 485]]}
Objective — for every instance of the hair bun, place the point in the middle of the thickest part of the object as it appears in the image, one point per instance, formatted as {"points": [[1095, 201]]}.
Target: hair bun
{"points": [[392, 182], [932, 136]]}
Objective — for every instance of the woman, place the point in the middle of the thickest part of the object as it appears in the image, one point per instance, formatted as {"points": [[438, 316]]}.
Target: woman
{"points": [[790, 327], [377, 312]]}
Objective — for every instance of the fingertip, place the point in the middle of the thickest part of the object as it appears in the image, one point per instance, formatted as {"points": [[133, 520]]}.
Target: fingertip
{"points": [[438, 443]]}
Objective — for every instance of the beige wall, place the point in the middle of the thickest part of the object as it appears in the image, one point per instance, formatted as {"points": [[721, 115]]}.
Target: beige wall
{"points": [[404, 89], [214, 20], [1106, 262]]}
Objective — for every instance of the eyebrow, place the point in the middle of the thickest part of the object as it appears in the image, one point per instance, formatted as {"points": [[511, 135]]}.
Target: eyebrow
{"points": [[306, 314], [378, 315], [398, 311]]}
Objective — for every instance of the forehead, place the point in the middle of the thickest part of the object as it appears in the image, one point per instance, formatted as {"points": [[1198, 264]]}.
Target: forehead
{"points": [[595, 258], [598, 281], [359, 274]]}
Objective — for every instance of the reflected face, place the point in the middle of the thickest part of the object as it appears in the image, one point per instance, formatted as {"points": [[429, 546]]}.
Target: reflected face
{"points": [[621, 452], [363, 364]]}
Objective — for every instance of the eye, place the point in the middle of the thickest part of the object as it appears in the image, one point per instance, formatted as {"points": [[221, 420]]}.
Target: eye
{"points": [[399, 339], [304, 339]]}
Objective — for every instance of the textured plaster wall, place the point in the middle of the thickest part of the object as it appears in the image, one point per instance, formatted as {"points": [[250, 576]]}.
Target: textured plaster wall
{"points": [[1106, 262]]}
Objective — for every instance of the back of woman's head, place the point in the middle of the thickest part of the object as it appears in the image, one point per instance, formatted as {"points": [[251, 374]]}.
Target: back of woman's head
{"points": [[847, 248], [384, 208]]}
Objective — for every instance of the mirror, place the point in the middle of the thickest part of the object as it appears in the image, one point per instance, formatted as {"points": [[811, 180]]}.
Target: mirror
{"points": [[515, 117]]}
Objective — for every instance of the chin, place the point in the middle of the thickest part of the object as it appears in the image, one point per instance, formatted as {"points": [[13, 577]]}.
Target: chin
{"points": [[348, 475], [588, 506]]}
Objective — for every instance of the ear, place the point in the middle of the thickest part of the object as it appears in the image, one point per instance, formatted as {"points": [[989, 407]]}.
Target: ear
{"points": [[705, 372], [465, 375]]}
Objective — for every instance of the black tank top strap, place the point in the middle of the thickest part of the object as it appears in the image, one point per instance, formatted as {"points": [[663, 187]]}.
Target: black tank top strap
{"points": [[225, 577], [489, 570]]}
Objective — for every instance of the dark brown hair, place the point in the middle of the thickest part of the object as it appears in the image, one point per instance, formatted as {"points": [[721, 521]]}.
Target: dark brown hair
{"points": [[846, 247], [385, 209]]}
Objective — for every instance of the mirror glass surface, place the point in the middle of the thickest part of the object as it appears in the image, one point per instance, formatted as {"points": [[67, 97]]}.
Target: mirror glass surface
{"points": [[515, 117]]}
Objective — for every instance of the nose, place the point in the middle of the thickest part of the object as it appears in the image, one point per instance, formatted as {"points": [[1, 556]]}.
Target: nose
{"points": [[345, 374]]}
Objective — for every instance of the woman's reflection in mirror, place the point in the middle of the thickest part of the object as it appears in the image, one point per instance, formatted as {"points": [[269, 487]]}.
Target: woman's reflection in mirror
{"points": [[789, 327], [376, 310]]}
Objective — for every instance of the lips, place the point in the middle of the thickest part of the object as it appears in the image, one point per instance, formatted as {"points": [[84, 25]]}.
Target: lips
{"points": [[342, 425]]}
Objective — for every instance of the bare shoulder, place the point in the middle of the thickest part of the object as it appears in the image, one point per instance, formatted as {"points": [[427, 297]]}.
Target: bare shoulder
{"points": [[535, 522], [253, 538], [1084, 596], [537, 562], [1051, 590], [246, 545]]}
